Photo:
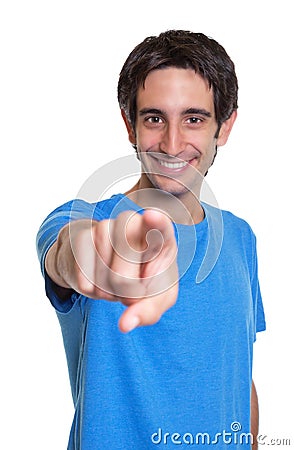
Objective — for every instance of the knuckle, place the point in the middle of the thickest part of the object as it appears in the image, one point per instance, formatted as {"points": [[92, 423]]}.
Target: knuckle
{"points": [[100, 232], [125, 286]]}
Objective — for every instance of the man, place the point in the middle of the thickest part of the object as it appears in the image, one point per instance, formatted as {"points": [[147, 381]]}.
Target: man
{"points": [[178, 368]]}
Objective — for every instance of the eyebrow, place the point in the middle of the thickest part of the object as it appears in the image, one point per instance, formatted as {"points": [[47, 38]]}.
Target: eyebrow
{"points": [[196, 111]]}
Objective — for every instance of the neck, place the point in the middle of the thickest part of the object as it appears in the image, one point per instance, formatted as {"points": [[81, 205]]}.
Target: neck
{"points": [[182, 209]]}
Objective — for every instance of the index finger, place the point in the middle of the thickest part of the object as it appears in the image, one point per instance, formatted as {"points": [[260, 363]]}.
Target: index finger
{"points": [[148, 311], [159, 233]]}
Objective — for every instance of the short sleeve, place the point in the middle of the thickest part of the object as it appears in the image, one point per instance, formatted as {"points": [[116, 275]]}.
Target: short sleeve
{"points": [[259, 316]]}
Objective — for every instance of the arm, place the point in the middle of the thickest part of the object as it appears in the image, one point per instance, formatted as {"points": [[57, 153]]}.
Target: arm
{"points": [[254, 416], [60, 261]]}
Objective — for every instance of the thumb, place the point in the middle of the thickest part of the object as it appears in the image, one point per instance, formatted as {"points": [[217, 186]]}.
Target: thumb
{"points": [[147, 311]]}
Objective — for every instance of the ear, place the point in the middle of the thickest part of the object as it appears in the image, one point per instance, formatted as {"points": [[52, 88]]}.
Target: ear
{"points": [[129, 127], [226, 129]]}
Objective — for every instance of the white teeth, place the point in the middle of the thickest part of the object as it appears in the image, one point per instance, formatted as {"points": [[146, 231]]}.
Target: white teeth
{"points": [[177, 165]]}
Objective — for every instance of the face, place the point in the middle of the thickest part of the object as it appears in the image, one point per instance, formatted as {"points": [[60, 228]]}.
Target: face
{"points": [[176, 130]]}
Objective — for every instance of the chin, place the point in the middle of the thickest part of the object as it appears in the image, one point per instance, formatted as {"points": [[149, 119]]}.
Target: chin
{"points": [[172, 187]]}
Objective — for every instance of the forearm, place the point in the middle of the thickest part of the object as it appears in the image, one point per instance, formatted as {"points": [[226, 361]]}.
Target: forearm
{"points": [[55, 256], [62, 263], [60, 260], [254, 416]]}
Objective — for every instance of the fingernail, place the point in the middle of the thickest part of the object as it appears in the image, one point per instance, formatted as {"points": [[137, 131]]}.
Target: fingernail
{"points": [[133, 322]]}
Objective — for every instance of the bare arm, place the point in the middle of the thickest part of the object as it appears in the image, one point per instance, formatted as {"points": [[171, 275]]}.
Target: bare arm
{"points": [[60, 260], [254, 416]]}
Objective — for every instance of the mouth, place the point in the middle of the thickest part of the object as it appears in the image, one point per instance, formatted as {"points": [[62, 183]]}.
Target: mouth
{"points": [[174, 165], [161, 169], [171, 165]]}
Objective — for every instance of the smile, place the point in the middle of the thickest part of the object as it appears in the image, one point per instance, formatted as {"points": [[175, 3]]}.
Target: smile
{"points": [[175, 165]]}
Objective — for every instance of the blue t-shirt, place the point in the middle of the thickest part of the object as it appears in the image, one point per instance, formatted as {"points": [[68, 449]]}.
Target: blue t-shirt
{"points": [[185, 381]]}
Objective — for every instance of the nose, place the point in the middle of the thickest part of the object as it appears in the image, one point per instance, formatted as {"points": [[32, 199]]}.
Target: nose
{"points": [[172, 140]]}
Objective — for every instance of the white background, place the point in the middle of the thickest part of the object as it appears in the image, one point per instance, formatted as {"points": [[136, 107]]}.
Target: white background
{"points": [[60, 121]]}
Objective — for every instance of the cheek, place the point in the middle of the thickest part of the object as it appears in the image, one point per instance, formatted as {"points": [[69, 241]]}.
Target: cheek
{"points": [[147, 140], [206, 145], [210, 155], [208, 149]]}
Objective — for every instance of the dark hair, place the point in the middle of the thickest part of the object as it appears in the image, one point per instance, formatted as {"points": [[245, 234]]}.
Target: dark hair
{"points": [[182, 49]]}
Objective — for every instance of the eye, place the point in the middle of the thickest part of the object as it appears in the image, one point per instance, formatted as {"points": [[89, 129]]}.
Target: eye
{"points": [[194, 120], [153, 119]]}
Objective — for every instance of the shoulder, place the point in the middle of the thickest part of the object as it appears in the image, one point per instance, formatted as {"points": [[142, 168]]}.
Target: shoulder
{"points": [[229, 219], [81, 209], [239, 223], [234, 229]]}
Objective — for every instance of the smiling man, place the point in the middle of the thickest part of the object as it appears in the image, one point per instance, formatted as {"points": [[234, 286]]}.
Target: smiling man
{"points": [[178, 368], [177, 127]]}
